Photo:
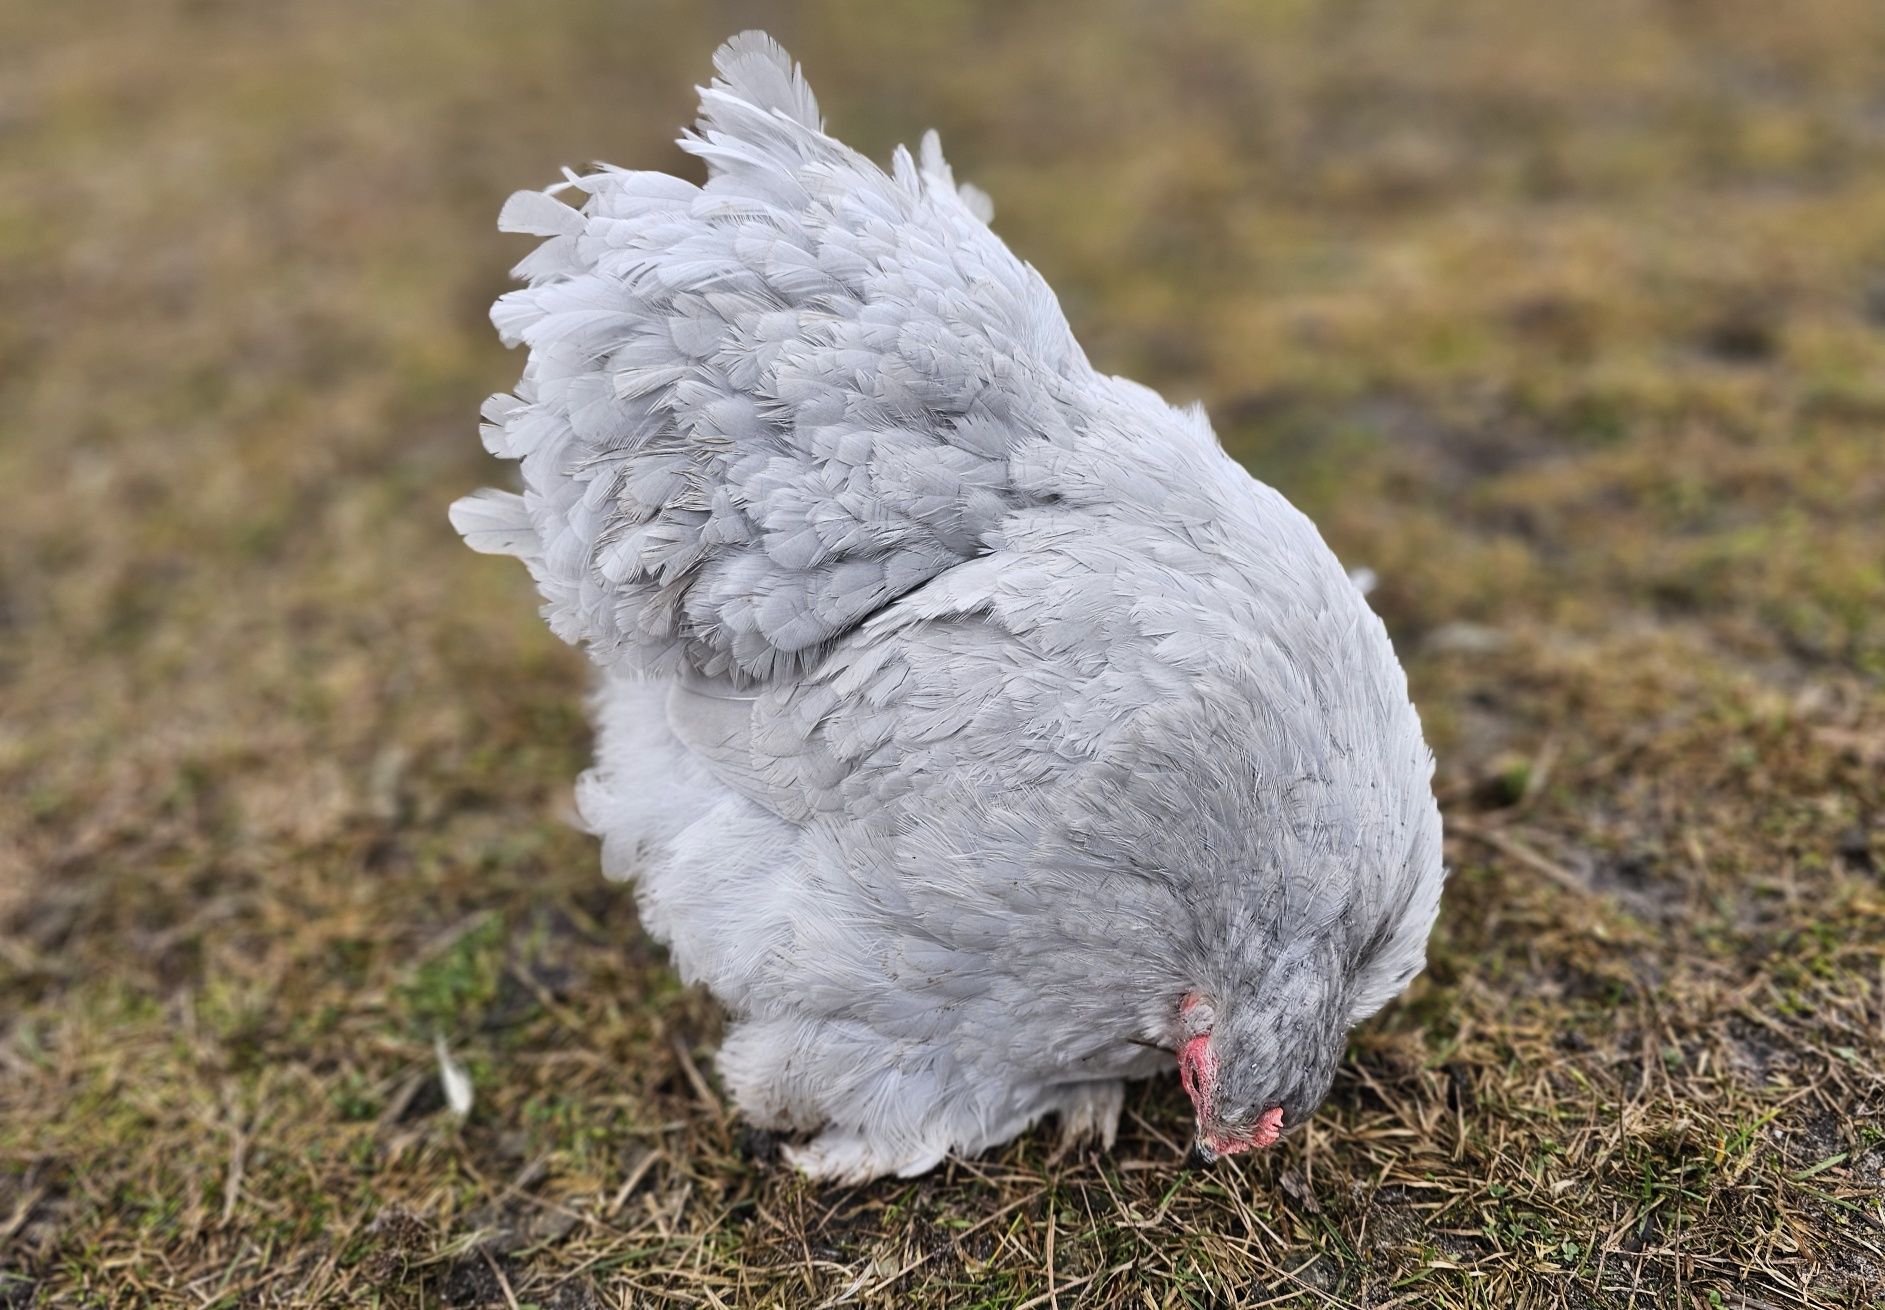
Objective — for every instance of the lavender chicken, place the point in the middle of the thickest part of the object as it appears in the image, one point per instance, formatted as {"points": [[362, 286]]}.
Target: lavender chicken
{"points": [[969, 722]]}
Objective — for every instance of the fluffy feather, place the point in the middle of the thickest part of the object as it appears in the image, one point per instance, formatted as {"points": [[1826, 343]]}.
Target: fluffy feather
{"points": [[963, 711]]}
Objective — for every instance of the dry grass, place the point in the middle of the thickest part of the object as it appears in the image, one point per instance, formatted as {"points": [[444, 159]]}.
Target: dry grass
{"points": [[1568, 320]]}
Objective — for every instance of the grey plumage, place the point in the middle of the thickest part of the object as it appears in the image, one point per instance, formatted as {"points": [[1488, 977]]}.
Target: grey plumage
{"points": [[968, 720]]}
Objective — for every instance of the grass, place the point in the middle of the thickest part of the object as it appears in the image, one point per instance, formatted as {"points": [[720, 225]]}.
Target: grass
{"points": [[1568, 321]]}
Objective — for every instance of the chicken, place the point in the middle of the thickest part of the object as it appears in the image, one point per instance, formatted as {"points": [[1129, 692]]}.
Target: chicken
{"points": [[967, 720]]}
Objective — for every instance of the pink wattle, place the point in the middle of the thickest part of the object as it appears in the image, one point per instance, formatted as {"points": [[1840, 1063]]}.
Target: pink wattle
{"points": [[1269, 1128]]}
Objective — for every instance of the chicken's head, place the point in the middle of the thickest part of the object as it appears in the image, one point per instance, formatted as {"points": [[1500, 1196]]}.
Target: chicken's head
{"points": [[1198, 1067], [1253, 1069]]}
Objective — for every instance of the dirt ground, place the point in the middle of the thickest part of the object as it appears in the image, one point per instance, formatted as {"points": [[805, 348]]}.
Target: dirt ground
{"points": [[1567, 320]]}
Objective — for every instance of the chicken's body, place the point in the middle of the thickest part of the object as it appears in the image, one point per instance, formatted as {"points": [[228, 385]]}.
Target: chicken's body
{"points": [[968, 719]]}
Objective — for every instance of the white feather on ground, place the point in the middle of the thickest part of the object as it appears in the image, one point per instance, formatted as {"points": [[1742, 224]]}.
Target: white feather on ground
{"points": [[454, 1080]]}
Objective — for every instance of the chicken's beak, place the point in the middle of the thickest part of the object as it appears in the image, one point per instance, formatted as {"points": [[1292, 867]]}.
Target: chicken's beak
{"points": [[1200, 1156]]}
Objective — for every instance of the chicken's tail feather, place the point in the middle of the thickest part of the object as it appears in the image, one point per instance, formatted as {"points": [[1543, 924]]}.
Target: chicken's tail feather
{"points": [[756, 69], [758, 411]]}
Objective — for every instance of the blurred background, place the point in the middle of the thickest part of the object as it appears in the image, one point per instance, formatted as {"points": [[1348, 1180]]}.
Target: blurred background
{"points": [[1566, 320]]}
